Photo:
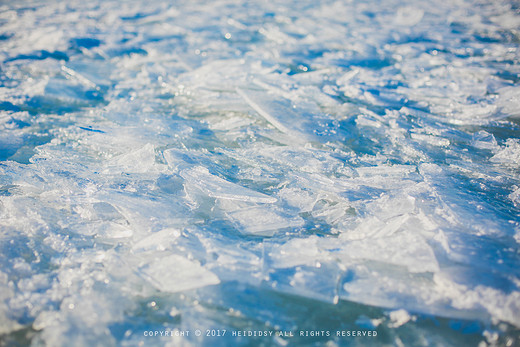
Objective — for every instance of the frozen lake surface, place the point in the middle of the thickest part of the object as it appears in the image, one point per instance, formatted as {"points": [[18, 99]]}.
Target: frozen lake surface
{"points": [[259, 166]]}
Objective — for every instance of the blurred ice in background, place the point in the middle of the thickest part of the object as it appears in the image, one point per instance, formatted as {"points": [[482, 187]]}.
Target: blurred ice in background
{"points": [[254, 165]]}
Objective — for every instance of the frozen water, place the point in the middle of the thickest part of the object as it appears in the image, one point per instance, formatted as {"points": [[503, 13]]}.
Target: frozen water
{"points": [[281, 165], [175, 273]]}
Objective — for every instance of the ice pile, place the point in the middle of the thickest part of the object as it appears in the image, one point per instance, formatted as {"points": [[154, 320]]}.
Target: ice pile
{"points": [[237, 165]]}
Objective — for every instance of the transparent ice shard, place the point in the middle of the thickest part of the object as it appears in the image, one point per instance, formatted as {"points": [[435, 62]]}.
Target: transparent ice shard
{"points": [[279, 113], [303, 200], [175, 273], [405, 249], [211, 185], [300, 267], [159, 240], [260, 220], [234, 261], [509, 154], [484, 140], [112, 231], [297, 252], [309, 281], [261, 111]]}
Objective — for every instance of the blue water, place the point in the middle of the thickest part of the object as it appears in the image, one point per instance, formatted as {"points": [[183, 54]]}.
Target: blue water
{"points": [[291, 169]]}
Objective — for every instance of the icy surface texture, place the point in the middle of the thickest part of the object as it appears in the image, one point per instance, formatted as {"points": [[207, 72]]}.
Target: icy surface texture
{"points": [[320, 165]]}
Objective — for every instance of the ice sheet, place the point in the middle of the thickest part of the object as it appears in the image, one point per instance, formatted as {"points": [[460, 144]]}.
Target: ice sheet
{"points": [[291, 165]]}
